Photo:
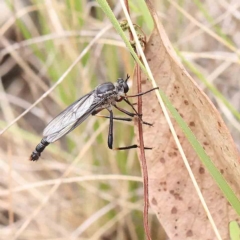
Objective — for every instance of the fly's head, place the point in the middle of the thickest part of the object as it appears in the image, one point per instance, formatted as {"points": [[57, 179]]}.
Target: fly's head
{"points": [[122, 86]]}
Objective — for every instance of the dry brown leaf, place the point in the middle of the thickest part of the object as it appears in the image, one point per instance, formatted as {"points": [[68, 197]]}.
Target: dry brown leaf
{"points": [[171, 192]]}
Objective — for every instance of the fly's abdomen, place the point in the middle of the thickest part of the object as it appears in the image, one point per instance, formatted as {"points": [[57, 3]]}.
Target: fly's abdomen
{"points": [[39, 148]]}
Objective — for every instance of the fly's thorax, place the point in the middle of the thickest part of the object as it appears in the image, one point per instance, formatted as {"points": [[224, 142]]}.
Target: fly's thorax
{"points": [[110, 99], [105, 89]]}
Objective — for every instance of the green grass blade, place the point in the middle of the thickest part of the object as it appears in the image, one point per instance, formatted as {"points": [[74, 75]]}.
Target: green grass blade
{"points": [[234, 230], [107, 10]]}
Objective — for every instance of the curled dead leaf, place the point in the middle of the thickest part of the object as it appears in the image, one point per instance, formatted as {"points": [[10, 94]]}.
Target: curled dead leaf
{"points": [[171, 192]]}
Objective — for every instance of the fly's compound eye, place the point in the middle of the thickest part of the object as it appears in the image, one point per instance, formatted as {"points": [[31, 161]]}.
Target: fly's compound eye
{"points": [[125, 87]]}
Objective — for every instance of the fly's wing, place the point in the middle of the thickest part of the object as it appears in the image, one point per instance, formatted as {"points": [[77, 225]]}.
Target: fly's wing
{"points": [[70, 118]]}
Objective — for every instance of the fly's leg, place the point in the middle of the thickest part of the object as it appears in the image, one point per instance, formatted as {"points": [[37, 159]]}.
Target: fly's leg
{"points": [[130, 104], [97, 111], [110, 136], [126, 112], [115, 118], [132, 114], [110, 130], [123, 119], [143, 93]]}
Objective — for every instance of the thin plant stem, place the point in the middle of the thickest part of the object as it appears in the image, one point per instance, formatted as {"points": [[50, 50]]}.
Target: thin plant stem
{"points": [[141, 143], [142, 156]]}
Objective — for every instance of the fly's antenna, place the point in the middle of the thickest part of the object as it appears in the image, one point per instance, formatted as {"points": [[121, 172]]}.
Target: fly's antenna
{"points": [[127, 78]]}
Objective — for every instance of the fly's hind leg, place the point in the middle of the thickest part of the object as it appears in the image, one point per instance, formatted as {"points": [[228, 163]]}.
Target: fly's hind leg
{"points": [[110, 136]]}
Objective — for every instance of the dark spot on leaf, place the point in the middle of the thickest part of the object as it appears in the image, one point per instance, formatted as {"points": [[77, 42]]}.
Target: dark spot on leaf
{"points": [[201, 170], [189, 233], [186, 102], [176, 195], [174, 210], [220, 211], [172, 154], [154, 201], [221, 171], [162, 160], [192, 124]]}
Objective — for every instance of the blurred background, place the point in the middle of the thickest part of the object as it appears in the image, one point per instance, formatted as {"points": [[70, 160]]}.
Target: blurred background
{"points": [[100, 194]]}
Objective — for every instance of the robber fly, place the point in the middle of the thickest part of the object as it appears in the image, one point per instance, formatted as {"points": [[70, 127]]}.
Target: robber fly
{"points": [[102, 97]]}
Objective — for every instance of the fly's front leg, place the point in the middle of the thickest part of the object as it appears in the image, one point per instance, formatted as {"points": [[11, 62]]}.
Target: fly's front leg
{"points": [[142, 93]]}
